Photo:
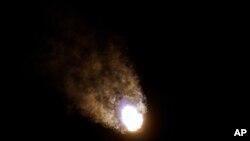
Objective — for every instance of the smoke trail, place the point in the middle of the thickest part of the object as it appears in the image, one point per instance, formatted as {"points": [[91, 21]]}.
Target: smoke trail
{"points": [[94, 72]]}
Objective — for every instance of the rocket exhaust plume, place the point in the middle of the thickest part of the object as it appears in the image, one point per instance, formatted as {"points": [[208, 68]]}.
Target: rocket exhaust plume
{"points": [[93, 71]]}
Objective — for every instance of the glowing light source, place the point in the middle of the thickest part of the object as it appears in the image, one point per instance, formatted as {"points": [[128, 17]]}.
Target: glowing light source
{"points": [[131, 118]]}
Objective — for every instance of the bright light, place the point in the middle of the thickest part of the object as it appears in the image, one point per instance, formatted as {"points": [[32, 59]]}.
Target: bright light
{"points": [[131, 118]]}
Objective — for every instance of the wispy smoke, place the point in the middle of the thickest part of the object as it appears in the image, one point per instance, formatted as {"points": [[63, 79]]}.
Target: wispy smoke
{"points": [[93, 70]]}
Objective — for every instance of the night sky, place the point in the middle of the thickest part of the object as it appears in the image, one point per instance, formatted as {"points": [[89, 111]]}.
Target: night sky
{"points": [[192, 65]]}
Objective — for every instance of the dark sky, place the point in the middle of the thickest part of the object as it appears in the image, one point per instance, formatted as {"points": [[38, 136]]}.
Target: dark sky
{"points": [[191, 62]]}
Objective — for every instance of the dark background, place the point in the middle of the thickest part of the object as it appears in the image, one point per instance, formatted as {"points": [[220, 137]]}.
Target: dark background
{"points": [[192, 63]]}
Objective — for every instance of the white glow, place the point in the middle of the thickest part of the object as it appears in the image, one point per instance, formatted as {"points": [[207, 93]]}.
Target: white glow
{"points": [[131, 118]]}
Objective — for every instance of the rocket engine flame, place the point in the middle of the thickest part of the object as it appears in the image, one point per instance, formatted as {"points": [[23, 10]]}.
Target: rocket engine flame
{"points": [[131, 118]]}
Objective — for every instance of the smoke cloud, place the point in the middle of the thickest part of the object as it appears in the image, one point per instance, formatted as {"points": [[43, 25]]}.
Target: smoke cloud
{"points": [[93, 70]]}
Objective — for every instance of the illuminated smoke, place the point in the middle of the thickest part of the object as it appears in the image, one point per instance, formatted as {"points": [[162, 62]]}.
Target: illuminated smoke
{"points": [[94, 72]]}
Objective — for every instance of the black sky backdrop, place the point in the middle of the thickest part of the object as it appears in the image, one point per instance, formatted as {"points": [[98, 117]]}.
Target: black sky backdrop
{"points": [[192, 64]]}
